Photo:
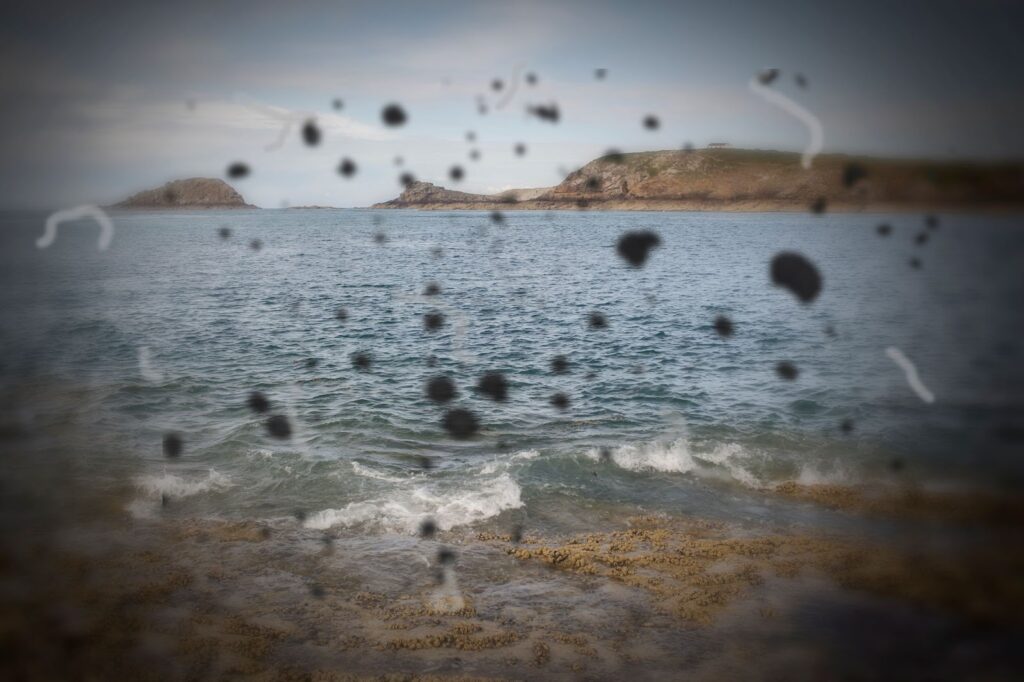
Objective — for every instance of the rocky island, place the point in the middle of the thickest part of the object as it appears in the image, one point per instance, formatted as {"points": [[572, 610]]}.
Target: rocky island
{"points": [[185, 194], [747, 180]]}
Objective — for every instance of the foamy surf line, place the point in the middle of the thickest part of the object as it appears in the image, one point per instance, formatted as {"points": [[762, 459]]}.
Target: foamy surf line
{"points": [[449, 506]]}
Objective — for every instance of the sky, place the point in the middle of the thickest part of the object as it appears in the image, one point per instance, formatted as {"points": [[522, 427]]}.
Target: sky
{"points": [[104, 99]]}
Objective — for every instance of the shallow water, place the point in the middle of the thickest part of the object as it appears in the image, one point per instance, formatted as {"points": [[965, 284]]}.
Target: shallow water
{"points": [[695, 423]]}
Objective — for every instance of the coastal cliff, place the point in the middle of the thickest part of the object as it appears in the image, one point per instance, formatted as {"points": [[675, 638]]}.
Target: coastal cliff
{"points": [[190, 193], [747, 180]]}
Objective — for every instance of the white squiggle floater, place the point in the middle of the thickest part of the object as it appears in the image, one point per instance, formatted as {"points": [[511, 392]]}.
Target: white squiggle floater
{"points": [[77, 213], [287, 118], [817, 140], [910, 370], [146, 367]]}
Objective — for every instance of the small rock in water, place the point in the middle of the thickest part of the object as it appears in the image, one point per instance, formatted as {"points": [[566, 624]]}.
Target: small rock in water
{"points": [[393, 115], [380, 238], [606, 454], [787, 370], [494, 386], [796, 273], [723, 325], [258, 402], [278, 426], [460, 423], [173, 445], [441, 389], [635, 246]]}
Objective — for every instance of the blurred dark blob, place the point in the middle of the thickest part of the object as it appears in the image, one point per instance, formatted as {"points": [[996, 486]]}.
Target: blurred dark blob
{"points": [[427, 529], [474, 154], [470, 136], [593, 184], [613, 156], [520, 149], [445, 556], [310, 133], [597, 320], [846, 426], [456, 173], [931, 222], [516, 535], [687, 147], [884, 230], [347, 167], [635, 246], [441, 389], [258, 402], [256, 245], [361, 360], [437, 251], [173, 445], [425, 462], [531, 78], [399, 161], [787, 370], [316, 591], [600, 74], [768, 76], [406, 179], [337, 104], [497, 85], [559, 364], [299, 515], [819, 205], [433, 320], [830, 331], [311, 363], [796, 273], [723, 325], [582, 204], [380, 238], [497, 217], [545, 112], [853, 173], [921, 238], [238, 170], [393, 115], [170, 196], [460, 423], [560, 401], [896, 465], [494, 386], [341, 315], [432, 289], [225, 233], [278, 427], [800, 80], [915, 263], [651, 122], [606, 454], [431, 361]]}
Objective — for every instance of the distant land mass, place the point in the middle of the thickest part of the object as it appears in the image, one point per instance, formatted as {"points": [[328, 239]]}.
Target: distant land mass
{"points": [[748, 180], [190, 193]]}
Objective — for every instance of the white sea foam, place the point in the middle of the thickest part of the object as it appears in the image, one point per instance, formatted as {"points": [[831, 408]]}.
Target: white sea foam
{"points": [[366, 471], [450, 505], [671, 456], [499, 464], [177, 486]]}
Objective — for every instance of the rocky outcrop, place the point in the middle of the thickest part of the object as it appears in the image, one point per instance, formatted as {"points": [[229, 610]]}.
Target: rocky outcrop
{"points": [[190, 193], [749, 180]]}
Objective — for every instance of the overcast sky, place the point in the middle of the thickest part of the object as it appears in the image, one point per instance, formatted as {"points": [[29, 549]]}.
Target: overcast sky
{"points": [[95, 95]]}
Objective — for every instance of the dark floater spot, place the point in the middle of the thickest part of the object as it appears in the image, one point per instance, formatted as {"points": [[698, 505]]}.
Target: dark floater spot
{"points": [[559, 364], [819, 205], [651, 122], [225, 233], [393, 115], [258, 402], [723, 325], [597, 320], [433, 320], [173, 445], [635, 246], [441, 389], [796, 273], [560, 401], [427, 529], [238, 170], [787, 370], [884, 230], [341, 315], [767, 76], [278, 426], [497, 217], [256, 245], [520, 149], [311, 133], [456, 173], [361, 360], [460, 423], [853, 173], [494, 386], [347, 168], [432, 289]]}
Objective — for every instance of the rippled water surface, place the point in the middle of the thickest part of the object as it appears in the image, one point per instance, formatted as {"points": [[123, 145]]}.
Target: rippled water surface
{"points": [[694, 422]]}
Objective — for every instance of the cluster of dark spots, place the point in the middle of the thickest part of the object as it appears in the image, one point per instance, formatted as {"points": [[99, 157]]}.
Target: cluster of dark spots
{"points": [[853, 173], [311, 133], [256, 244], [931, 222], [432, 289], [884, 230], [613, 156], [600, 74], [545, 112], [597, 320], [173, 445], [494, 386], [277, 426], [800, 80], [445, 556], [433, 320], [497, 217], [846, 426], [474, 155], [787, 370], [337, 104], [456, 173], [520, 149], [347, 168], [767, 76], [393, 115], [531, 78], [441, 389], [238, 170], [560, 401], [258, 402], [497, 85], [559, 364], [921, 238], [819, 205], [341, 315], [635, 246], [406, 179], [460, 423], [723, 325], [361, 360], [651, 122], [225, 233], [796, 273], [427, 529], [311, 363], [915, 263]]}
